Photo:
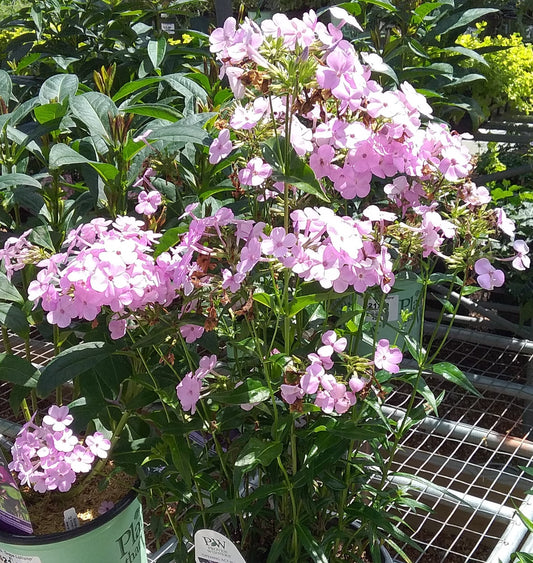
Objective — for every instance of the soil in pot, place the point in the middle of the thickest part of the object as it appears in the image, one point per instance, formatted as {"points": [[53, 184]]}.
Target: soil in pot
{"points": [[47, 510]]}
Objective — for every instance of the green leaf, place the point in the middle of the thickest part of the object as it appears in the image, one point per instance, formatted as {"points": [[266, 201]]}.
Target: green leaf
{"points": [[49, 112], [469, 53], [460, 20], [157, 111], [135, 86], [56, 88], [181, 133], [14, 319], [289, 168], [251, 391], [5, 86], [186, 86], [63, 155], [455, 375], [16, 179], [8, 292], [257, 452], [156, 51], [522, 558], [71, 363], [18, 371], [303, 301], [168, 240], [93, 110], [415, 348], [265, 299], [310, 544]]}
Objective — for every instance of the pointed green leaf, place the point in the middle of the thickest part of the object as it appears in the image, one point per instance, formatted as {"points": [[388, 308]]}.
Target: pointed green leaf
{"points": [[63, 155], [56, 88], [16, 179], [93, 110], [157, 111], [8, 292], [49, 112], [289, 168], [135, 86], [156, 51], [18, 371], [185, 86], [251, 391], [310, 544], [5, 86], [455, 375], [13, 318], [71, 363], [257, 452], [181, 133]]}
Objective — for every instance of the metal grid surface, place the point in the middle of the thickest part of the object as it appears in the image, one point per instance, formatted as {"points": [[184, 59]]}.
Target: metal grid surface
{"points": [[473, 451]]}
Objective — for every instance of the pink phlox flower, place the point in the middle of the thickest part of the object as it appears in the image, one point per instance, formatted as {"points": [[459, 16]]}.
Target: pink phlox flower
{"points": [[191, 332], [475, 195], [117, 327], [255, 172], [455, 163], [505, 224], [65, 440], [188, 392], [206, 365], [301, 137], [291, 393], [148, 202], [105, 506], [221, 147], [144, 179], [344, 17], [61, 477], [98, 445], [357, 384], [488, 276], [232, 281], [80, 459], [58, 418], [521, 261], [387, 358], [248, 117], [278, 243], [310, 380], [143, 137]]}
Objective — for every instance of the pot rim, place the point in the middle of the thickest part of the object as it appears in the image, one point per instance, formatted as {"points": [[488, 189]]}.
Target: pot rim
{"points": [[20, 539]]}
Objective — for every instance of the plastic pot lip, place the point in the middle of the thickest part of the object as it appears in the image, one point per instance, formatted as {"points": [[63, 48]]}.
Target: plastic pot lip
{"points": [[19, 539]]}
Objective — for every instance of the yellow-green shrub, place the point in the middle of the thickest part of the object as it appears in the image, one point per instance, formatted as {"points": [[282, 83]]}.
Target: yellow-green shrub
{"points": [[510, 75]]}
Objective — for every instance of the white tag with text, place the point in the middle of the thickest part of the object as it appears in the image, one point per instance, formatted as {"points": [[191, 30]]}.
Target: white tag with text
{"points": [[212, 547]]}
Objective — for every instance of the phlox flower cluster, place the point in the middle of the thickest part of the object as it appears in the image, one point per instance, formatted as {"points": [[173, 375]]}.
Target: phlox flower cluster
{"points": [[189, 388], [50, 456], [16, 253], [350, 130], [330, 394], [109, 266], [355, 130]]}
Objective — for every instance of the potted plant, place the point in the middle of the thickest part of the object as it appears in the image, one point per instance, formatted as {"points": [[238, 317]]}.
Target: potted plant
{"points": [[232, 323]]}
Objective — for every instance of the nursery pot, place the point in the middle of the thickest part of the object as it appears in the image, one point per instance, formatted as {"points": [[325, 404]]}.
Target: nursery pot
{"points": [[115, 537], [405, 296]]}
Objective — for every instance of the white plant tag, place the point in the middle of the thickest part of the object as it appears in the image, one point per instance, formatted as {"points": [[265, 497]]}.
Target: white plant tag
{"points": [[212, 547], [71, 519], [14, 558]]}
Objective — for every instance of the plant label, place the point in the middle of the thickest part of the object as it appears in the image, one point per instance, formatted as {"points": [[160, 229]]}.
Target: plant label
{"points": [[14, 515], [7, 557], [212, 547]]}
